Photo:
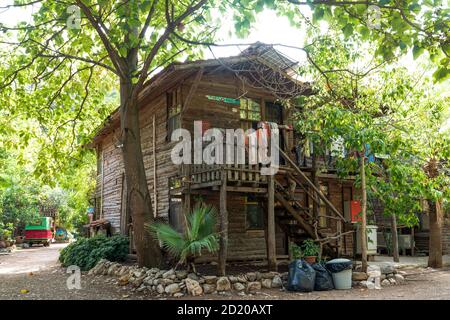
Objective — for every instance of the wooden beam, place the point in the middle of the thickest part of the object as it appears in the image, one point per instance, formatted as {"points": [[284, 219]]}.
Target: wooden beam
{"points": [[223, 236], [271, 239], [246, 189]]}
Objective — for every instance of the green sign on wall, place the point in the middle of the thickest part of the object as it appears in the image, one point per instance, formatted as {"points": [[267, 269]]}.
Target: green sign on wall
{"points": [[224, 99]]}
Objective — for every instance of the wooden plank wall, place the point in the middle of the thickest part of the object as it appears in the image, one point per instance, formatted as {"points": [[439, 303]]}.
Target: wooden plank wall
{"points": [[113, 163], [243, 244]]}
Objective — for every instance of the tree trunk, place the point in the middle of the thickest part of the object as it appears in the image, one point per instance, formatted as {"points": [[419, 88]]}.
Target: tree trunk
{"points": [[435, 244], [394, 238], [363, 232], [138, 196], [315, 180]]}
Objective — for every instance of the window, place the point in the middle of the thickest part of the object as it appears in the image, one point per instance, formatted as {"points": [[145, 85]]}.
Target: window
{"points": [[323, 211], [250, 110], [274, 112], [254, 214], [174, 103]]}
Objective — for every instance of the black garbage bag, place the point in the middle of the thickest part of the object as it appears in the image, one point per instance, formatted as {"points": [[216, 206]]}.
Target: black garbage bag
{"points": [[324, 280], [338, 265], [301, 276]]}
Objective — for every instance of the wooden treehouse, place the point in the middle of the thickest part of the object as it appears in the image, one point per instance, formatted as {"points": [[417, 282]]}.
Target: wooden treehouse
{"points": [[259, 214]]}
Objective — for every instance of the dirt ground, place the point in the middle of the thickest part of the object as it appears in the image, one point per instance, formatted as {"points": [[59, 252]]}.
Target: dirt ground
{"points": [[37, 271]]}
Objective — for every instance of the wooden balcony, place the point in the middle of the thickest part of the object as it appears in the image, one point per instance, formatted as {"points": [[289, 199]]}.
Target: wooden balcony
{"points": [[239, 177]]}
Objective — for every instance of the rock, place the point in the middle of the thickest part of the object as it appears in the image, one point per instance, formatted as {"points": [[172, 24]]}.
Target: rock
{"points": [[258, 275], [164, 282], [277, 282], [253, 286], [359, 276], [123, 271], [390, 276], [385, 283], [233, 279], [223, 284], [213, 263], [210, 279], [193, 276], [138, 281], [387, 267], [113, 268], [138, 273], [168, 274], [392, 281], [401, 272], [238, 286], [123, 280], [382, 277], [148, 280], [399, 278], [193, 287], [153, 270], [241, 278], [367, 284], [141, 288], [251, 276], [266, 283], [269, 275], [160, 289], [181, 274], [172, 288], [209, 288], [178, 295]]}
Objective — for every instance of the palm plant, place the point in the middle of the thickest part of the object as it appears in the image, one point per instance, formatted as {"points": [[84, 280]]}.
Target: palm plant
{"points": [[200, 233]]}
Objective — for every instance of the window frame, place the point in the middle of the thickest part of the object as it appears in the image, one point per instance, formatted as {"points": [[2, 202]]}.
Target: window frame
{"points": [[253, 202], [174, 104]]}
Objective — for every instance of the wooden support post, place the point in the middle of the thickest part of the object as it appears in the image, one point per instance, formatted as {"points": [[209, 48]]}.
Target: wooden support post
{"points": [[340, 240], [155, 178], [187, 196], [271, 240], [223, 236]]}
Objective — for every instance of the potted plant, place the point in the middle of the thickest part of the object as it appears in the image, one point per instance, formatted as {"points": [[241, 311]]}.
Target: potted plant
{"points": [[310, 250]]}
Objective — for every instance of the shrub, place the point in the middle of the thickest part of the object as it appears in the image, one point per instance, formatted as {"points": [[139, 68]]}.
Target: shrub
{"points": [[200, 233], [86, 252]]}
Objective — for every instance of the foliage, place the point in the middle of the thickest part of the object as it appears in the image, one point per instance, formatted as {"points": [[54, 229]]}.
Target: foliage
{"points": [[380, 110], [309, 248], [6, 230], [22, 194], [199, 234], [393, 27], [86, 252], [295, 250]]}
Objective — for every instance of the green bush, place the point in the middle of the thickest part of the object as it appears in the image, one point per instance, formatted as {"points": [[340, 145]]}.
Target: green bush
{"points": [[86, 252]]}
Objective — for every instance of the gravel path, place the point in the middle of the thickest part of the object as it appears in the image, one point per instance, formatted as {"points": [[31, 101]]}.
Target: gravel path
{"points": [[37, 271]]}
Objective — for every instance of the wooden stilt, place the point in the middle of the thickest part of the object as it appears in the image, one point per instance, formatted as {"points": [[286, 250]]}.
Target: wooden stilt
{"points": [[223, 237], [187, 196], [271, 241]]}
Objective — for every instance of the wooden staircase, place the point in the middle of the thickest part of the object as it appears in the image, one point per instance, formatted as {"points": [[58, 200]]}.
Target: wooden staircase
{"points": [[297, 221]]}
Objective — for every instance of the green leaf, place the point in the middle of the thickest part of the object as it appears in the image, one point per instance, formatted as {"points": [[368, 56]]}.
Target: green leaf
{"points": [[417, 51], [348, 30]]}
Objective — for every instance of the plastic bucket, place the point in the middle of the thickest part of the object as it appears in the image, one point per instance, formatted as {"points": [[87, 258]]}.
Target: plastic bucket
{"points": [[343, 280]]}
